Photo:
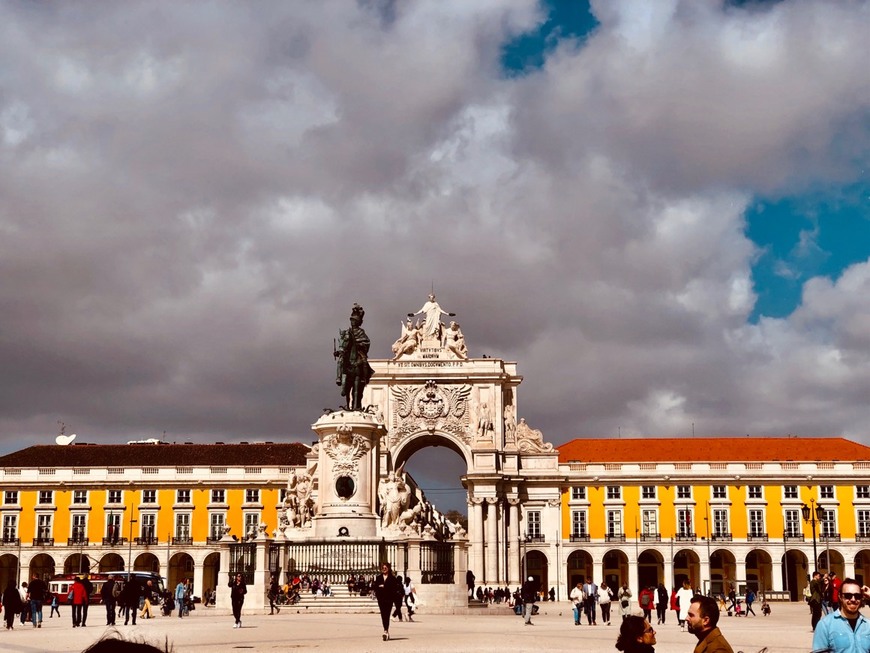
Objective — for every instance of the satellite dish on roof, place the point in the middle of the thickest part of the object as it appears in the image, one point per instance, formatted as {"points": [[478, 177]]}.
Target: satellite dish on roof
{"points": [[65, 439]]}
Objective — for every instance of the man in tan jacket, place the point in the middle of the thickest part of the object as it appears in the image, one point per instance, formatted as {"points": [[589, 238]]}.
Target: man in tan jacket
{"points": [[702, 619]]}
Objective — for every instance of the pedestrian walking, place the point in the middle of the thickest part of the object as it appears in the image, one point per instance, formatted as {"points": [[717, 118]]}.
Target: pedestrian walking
{"points": [[238, 589], [107, 593], [180, 591], [636, 636], [529, 595], [36, 593], [130, 598], [79, 597], [661, 604], [684, 601], [410, 597], [273, 594], [55, 606], [624, 598], [605, 598], [576, 597], [385, 587], [11, 603]]}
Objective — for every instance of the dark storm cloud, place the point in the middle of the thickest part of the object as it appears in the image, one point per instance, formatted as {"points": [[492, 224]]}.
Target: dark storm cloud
{"points": [[193, 195]]}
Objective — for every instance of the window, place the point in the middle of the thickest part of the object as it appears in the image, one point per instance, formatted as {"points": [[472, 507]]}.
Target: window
{"points": [[720, 522], [755, 492], [80, 497], [148, 530], [614, 523], [533, 523], [756, 523], [116, 496], [252, 496], [182, 496], [826, 491], [648, 492], [216, 524], [614, 492], [649, 523], [182, 525], [828, 525], [10, 528], [720, 492], [578, 493], [46, 497], [220, 496], [578, 523], [282, 495], [252, 523], [149, 496], [113, 527], [864, 523], [684, 491], [10, 497], [789, 492], [79, 527], [862, 491], [684, 522], [43, 527], [792, 523]]}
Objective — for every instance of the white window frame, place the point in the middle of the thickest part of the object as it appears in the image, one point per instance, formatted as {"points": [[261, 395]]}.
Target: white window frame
{"points": [[222, 498], [80, 497], [685, 527], [827, 492], [533, 523], [684, 492], [115, 497], [721, 523], [182, 527], [183, 495], [862, 491], [149, 496], [114, 521], [614, 493], [216, 523], [251, 522], [579, 523], [828, 524], [790, 492], [44, 525], [252, 495], [649, 522], [792, 522], [148, 525], [578, 493], [755, 492], [648, 492], [10, 526], [45, 498], [78, 525], [755, 522], [719, 491]]}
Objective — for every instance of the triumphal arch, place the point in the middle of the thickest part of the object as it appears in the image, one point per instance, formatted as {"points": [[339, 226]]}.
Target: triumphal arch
{"points": [[433, 393]]}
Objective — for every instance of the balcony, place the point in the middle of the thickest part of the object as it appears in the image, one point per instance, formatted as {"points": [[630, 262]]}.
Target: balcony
{"points": [[832, 537], [686, 537], [757, 537], [147, 540], [43, 541], [8, 539], [212, 540], [77, 541], [614, 538], [793, 538], [186, 540], [579, 537], [721, 537], [650, 537], [114, 541], [862, 538]]}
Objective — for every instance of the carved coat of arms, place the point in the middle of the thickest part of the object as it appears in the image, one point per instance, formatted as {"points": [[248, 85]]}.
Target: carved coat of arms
{"points": [[430, 407]]}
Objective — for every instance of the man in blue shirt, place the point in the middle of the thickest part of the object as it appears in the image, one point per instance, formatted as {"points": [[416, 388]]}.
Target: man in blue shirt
{"points": [[845, 630]]}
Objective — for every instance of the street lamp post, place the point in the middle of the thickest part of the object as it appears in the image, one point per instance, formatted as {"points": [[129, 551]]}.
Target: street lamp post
{"points": [[813, 514], [130, 542]]}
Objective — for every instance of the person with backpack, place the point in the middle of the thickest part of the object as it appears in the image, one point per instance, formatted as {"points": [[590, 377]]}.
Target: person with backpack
{"points": [[646, 599], [661, 604], [750, 599]]}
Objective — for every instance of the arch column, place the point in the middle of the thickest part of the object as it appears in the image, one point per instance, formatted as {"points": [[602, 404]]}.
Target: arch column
{"points": [[491, 555], [475, 527], [514, 577], [198, 576], [740, 568]]}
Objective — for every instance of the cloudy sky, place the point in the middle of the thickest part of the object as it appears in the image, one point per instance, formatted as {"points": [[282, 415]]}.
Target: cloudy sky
{"points": [[658, 209]]}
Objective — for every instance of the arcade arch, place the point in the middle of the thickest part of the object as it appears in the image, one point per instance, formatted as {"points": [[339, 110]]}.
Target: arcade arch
{"points": [[687, 565], [112, 562], [211, 569], [862, 566], [650, 568], [615, 568], [77, 563], [180, 567], [579, 567], [8, 569], [836, 563], [723, 568], [759, 570], [794, 572], [42, 565], [536, 565]]}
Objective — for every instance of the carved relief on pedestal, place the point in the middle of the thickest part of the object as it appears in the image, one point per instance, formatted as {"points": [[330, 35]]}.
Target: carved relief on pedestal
{"points": [[510, 428], [345, 448], [531, 440], [430, 407], [485, 432]]}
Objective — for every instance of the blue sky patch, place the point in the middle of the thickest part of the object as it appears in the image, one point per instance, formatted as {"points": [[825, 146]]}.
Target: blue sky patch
{"points": [[803, 237]]}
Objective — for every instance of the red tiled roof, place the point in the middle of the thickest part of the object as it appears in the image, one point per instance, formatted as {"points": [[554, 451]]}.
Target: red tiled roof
{"points": [[754, 449], [158, 455]]}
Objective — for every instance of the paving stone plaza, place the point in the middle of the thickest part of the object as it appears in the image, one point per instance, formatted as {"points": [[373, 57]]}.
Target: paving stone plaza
{"points": [[787, 630]]}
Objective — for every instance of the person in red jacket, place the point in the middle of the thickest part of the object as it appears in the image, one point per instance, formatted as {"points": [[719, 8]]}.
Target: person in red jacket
{"points": [[79, 598], [647, 599]]}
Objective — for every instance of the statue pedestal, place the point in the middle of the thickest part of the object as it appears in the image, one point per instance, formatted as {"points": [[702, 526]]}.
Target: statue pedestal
{"points": [[348, 467]]}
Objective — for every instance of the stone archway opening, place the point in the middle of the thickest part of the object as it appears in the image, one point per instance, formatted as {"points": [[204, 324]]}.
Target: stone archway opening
{"points": [[579, 568], [42, 565], [77, 563], [438, 467], [8, 569], [537, 566], [112, 562], [687, 565], [794, 565], [832, 560], [723, 571], [180, 567], [147, 562], [862, 566], [615, 568], [650, 568], [759, 571]]}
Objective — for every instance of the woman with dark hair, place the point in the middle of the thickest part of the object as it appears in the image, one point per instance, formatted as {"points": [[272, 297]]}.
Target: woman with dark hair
{"points": [[386, 588], [636, 636], [238, 589]]}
